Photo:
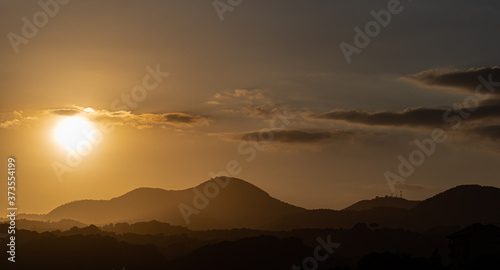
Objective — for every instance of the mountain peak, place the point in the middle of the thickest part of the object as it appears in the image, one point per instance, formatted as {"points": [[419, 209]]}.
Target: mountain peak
{"points": [[461, 205], [218, 203]]}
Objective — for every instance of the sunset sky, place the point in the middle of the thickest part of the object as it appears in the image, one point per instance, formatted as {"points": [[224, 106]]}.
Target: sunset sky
{"points": [[216, 82]]}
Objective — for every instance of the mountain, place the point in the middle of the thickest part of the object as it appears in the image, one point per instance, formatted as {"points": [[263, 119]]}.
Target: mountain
{"points": [[39, 226], [226, 203], [220, 203], [394, 202], [461, 205]]}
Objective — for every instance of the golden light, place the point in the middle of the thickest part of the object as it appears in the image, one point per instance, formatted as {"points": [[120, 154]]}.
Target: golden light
{"points": [[72, 131]]}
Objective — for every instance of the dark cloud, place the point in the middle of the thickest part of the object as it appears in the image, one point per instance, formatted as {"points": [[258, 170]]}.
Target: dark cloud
{"points": [[141, 121], [290, 136], [65, 112], [413, 117], [408, 117], [150, 120], [468, 80], [183, 118], [479, 106], [272, 110]]}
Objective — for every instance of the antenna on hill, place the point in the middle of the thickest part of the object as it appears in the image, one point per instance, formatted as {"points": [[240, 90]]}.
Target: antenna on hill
{"points": [[401, 193]]}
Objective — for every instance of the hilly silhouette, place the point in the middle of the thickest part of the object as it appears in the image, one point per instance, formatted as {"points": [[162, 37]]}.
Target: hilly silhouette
{"points": [[394, 202], [221, 203], [40, 226], [461, 205], [167, 247], [228, 203]]}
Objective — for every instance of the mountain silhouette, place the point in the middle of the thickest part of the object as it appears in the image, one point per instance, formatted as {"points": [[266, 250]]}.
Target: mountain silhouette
{"points": [[220, 203], [138, 230], [394, 202], [227, 203], [461, 205], [40, 226]]}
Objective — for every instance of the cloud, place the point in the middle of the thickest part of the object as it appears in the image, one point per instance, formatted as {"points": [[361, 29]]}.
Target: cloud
{"points": [[140, 121], [237, 96], [413, 117], [262, 110], [478, 115], [150, 120], [174, 119], [65, 112], [250, 94], [15, 119], [408, 117], [466, 80], [271, 110], [213, 102], [290, 136]]}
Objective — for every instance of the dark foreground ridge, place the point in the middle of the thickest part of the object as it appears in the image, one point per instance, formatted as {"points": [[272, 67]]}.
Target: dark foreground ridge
{"points": [[242, 227]]}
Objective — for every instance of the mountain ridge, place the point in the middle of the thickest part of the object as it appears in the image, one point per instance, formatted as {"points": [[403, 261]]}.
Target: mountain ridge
{"points": [[227, 203], [144, 204]]}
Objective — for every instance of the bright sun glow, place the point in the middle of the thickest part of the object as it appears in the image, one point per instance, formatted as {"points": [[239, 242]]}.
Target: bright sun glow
{"points": [[72, 131]]}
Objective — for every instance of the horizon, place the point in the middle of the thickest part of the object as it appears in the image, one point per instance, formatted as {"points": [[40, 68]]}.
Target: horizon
{"points": [[232, 178]]}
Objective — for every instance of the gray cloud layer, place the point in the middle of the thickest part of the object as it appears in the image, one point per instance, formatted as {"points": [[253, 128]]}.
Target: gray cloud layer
{"points": [[485, 79], [408, 117], [412, 117], [467, 80], [290, 136]]}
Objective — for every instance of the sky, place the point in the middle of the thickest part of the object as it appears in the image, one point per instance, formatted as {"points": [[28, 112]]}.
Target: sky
{"points": [[315, 102]]}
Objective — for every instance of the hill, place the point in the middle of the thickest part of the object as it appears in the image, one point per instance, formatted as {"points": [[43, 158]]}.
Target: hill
{"points": [[220, 203], [461, 205], [227, 203]]}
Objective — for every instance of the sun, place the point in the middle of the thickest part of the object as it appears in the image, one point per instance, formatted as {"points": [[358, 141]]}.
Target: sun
{"points": [[72, 131]]}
